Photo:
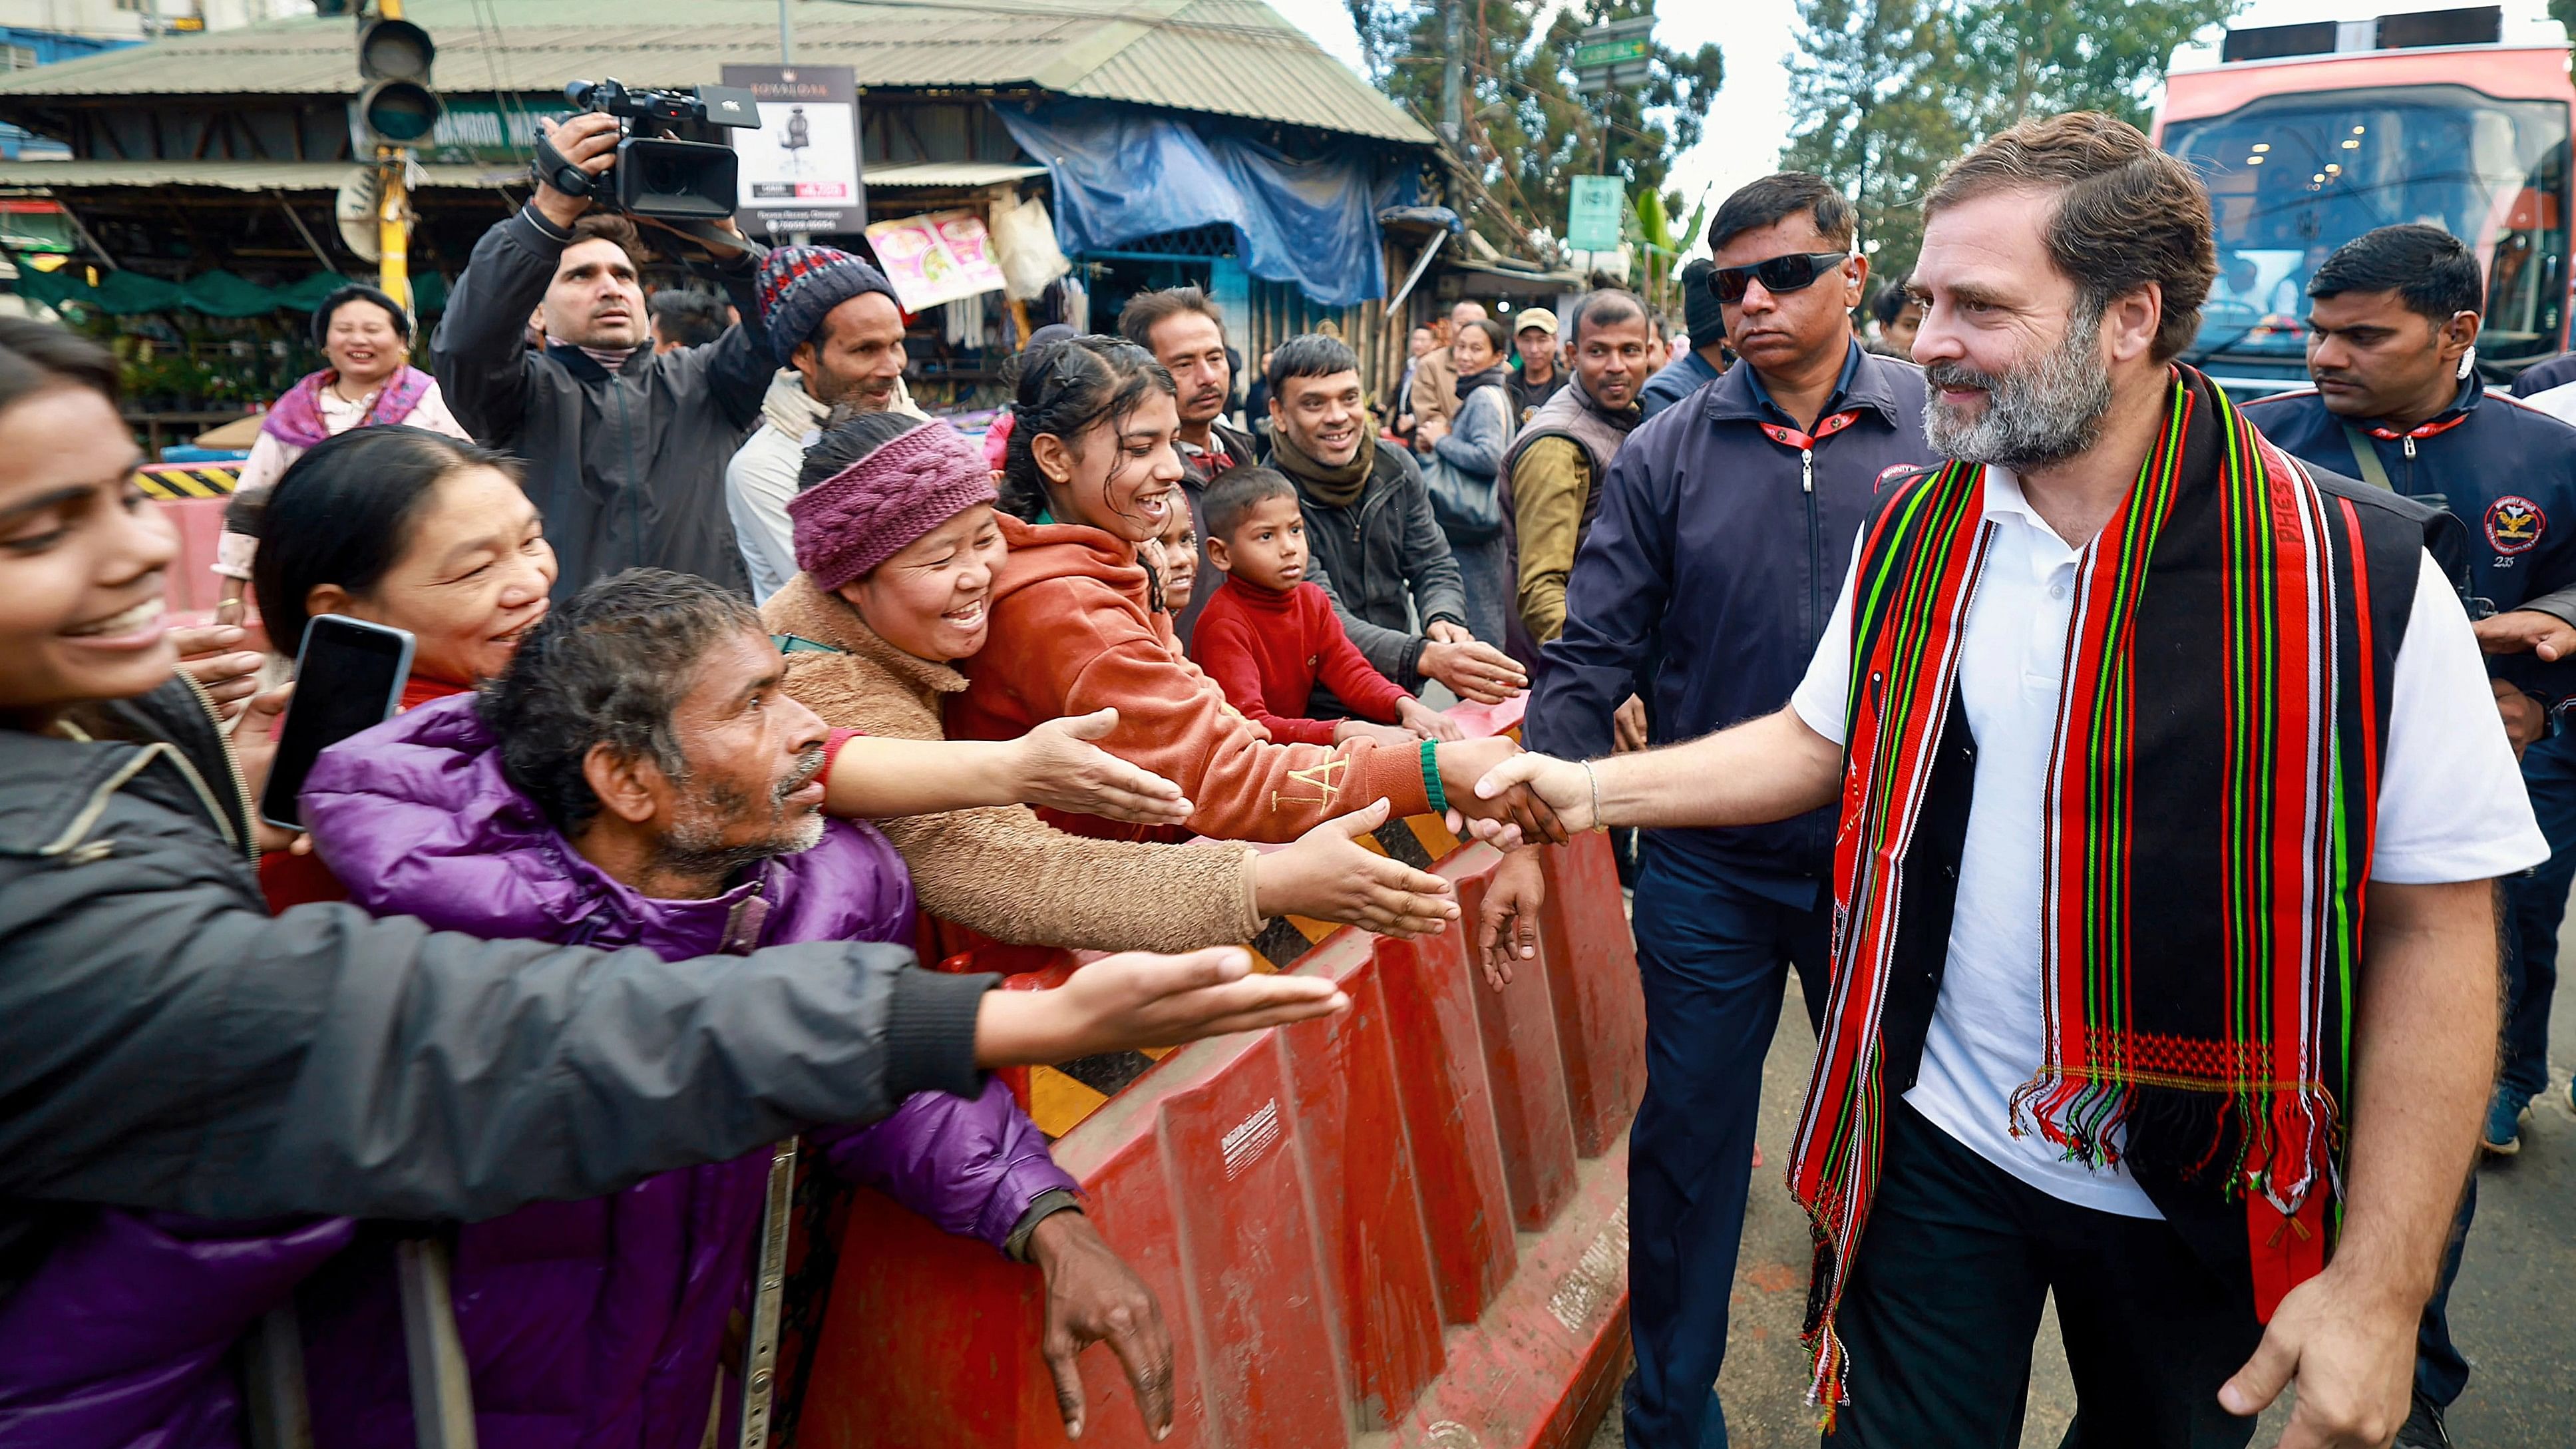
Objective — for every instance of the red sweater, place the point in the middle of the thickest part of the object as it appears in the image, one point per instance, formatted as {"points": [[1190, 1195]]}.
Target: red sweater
{"points": [[1266, 650]]}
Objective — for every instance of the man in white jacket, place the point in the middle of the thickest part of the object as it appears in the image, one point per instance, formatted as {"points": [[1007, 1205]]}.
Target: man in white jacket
{"points": [[838, 335]]}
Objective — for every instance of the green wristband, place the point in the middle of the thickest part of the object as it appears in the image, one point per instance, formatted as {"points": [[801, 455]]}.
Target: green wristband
{"points": [[1431, 777]]}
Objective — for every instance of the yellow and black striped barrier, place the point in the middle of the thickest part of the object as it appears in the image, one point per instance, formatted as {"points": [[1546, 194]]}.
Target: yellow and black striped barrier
{"points": [[171, 481], [1061, 1096]]}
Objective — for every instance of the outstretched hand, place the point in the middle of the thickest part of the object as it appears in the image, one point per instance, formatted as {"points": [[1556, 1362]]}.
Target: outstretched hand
{"points": [[1060, 769], [1507, 925], [1473, 670], [1136, 1000], [1507, 818], [1330, 876], [1091, 1295], [230, 676]]}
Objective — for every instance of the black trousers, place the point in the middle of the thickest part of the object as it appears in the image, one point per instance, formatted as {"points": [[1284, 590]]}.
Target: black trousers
{"points": [[1955, 1266]]}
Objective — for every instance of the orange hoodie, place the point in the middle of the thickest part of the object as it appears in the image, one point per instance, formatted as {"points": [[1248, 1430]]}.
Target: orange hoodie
{"points": [[1071, 633]]}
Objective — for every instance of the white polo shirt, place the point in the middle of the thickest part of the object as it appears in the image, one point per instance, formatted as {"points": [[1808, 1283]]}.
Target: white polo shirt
{"points": [[2451, 808]]}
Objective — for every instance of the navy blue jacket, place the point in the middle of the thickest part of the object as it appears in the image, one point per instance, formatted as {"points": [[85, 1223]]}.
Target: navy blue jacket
{"points": [[2505, 469], [2541, 376], [1674, 381], [1719, 551]]}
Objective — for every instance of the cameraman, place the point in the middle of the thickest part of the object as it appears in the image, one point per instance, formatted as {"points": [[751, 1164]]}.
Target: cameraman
{"points": [[625, 447]]}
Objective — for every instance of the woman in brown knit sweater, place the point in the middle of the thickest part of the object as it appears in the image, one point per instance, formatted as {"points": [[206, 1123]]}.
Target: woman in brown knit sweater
{"points": [[897, 543]]}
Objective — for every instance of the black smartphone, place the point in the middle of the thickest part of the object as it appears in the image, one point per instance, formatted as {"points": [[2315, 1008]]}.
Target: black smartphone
{"points": [[348, 677]]}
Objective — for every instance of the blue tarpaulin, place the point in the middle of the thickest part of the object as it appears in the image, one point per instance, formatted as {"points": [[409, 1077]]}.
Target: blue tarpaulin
{"points": [[1123, 174]]}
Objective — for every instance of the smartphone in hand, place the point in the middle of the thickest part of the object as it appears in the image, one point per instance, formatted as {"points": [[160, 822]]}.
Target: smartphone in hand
{"points": [[348, 677]]}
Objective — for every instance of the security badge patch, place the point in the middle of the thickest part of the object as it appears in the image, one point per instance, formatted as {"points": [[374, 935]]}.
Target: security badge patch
{"points": [[2514, 525]]}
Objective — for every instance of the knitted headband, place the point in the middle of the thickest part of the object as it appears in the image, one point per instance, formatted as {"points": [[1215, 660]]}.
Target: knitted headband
{"points": [[868, 512]]}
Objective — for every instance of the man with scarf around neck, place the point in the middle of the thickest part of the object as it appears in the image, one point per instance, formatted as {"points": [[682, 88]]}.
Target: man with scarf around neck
{"points": [[1703, 582], [626, 448], [2130, 715], [837, 333], [1368, 517]]}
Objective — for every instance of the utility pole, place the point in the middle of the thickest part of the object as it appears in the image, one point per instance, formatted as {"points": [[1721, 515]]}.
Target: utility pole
{"points": [[786, 36], [1453, 114]]}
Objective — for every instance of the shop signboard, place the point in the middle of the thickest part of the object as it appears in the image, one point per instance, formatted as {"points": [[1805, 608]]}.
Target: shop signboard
{"points": [[1614, 57], [1597, 203], [936, 258], [476, 130], [800, 170]]}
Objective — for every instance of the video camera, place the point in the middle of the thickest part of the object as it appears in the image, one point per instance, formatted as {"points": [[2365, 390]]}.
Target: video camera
{"points": [[670, 163]]}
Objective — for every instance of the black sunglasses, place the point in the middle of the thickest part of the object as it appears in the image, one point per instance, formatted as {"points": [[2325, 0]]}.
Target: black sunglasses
{"points": [[1777, 274]]}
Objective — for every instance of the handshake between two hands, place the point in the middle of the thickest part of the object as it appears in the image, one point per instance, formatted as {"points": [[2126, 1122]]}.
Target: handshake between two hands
{"points": [[1493, 790]]}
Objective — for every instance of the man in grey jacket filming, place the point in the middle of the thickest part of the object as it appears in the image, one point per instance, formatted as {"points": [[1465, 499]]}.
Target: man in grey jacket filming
{"points": [[626, 447]]}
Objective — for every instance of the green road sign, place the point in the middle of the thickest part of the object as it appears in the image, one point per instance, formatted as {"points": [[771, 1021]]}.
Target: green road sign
{"points": [[1593, 225], [1610, 52]]}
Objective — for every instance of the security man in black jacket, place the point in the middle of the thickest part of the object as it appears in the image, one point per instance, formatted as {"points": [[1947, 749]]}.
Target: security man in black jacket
{"points": [[2392, 333]]}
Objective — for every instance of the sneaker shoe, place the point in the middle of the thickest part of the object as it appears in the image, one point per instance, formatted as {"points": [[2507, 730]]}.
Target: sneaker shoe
{"points": [[2423, 1428], [2503, 1134]]}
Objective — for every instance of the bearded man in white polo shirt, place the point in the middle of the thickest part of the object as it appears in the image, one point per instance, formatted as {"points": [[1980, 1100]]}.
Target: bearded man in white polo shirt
{"points": [[2171, 798]]}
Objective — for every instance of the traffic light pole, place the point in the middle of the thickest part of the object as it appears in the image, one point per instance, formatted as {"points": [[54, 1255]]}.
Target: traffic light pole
{"points": [[393, 204], [393, 224]]}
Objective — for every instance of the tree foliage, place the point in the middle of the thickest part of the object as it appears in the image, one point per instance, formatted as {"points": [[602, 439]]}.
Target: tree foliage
{"points": [[1884, 93], [1527, 132]]}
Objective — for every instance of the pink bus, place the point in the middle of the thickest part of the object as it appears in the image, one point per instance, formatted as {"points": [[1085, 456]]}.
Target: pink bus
{"points": [[2310, 135]]}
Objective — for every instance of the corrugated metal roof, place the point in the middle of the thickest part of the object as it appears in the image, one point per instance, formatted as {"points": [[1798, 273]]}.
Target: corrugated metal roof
{"points": [[950, 173], [1226, 57], [228, 175]]}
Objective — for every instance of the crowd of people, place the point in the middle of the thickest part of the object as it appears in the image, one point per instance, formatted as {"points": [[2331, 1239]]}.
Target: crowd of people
{"points": [[2107, 758]]}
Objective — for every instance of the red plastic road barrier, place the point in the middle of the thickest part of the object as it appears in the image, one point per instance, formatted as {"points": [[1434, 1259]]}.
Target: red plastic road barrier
{"points": [[1326, 1212], [191, 585]]}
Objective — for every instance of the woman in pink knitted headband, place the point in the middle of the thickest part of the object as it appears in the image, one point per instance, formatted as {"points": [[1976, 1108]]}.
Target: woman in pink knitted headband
{"points": [[898, 543]]}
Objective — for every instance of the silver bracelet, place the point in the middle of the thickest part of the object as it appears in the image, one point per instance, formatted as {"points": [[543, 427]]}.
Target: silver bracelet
{"points": [[1596, 793]]}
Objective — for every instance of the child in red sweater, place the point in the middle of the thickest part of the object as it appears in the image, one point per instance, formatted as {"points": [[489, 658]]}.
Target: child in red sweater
{"points": [[1266, 636]]}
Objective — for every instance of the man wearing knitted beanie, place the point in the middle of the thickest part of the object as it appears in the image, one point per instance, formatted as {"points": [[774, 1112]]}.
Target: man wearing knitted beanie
{"points": [[1706, 320], [837, 334]]}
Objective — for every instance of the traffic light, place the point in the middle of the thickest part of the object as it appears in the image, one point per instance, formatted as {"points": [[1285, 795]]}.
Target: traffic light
{"points": [[397, 108]]}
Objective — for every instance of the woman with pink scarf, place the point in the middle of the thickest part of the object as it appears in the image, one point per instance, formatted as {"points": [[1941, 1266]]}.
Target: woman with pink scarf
{"points": [[366, 337]]}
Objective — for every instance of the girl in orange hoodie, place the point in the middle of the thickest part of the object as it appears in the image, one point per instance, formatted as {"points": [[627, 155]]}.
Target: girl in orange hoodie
{"points": [[1090, 473]]}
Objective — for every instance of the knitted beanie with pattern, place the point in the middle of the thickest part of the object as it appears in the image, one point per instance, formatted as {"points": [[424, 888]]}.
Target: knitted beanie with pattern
{"points": [[798, 286]]}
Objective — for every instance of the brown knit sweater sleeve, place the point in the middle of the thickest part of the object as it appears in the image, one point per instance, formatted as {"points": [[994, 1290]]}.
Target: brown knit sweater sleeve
{"points": [[1006, 873], [1012, 876]]}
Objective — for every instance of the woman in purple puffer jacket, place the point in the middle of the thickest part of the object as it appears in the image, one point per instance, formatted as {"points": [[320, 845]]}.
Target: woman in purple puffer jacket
{"points": [[606, 1322]]}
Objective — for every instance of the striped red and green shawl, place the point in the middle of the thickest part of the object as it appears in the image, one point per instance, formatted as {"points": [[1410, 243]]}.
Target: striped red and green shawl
{"points": [[2209, 812]]}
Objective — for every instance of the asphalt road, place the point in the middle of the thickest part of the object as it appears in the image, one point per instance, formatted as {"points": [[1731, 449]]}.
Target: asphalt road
{"points": [[2513, 1311]]}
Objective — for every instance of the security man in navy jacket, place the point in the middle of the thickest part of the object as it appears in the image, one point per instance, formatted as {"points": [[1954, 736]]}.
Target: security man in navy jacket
{"points": [[2393, 323], [1725, 528]]}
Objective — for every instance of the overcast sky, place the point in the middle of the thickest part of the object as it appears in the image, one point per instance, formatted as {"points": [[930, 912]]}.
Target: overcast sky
{"points": [[1749, 121]]}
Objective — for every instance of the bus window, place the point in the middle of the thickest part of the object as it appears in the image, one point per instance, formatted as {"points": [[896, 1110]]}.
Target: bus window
{"points": [[2293, 177]]}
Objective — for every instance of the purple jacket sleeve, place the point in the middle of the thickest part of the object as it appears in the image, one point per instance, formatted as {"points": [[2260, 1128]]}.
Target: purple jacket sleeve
{"points": [[969, 1165]]}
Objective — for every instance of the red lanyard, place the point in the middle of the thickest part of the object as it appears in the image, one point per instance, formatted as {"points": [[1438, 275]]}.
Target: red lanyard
{"points": [[2426, 430], [1788, 437]]}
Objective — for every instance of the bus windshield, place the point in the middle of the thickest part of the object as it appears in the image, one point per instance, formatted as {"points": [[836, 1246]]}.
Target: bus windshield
{"points": [[2293, 177]]}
